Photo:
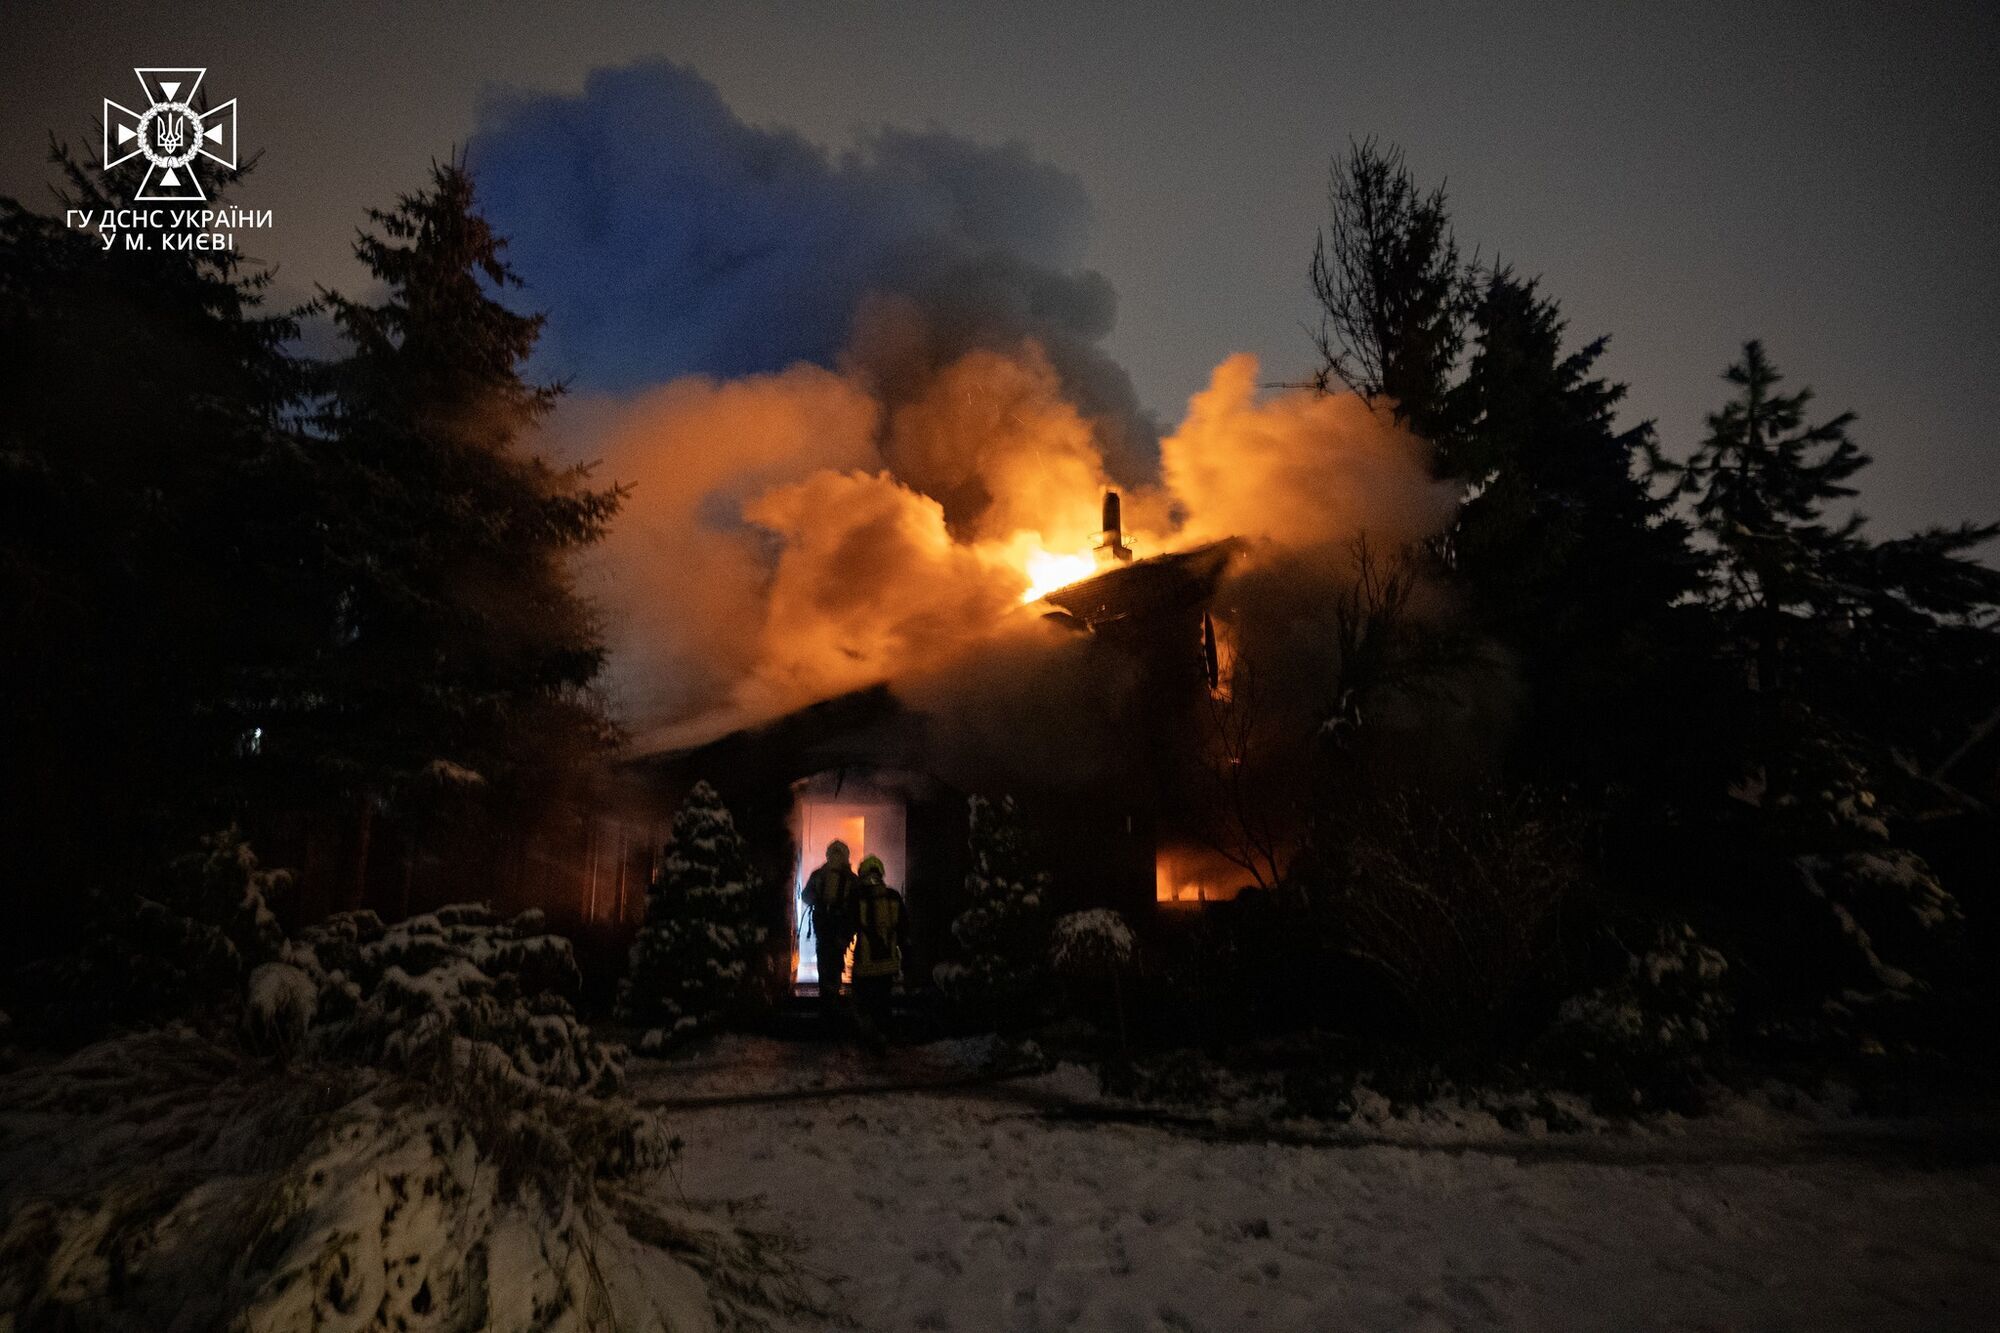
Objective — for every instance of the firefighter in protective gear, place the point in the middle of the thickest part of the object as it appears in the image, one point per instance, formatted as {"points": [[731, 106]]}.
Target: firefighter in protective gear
{"points": [[829, 893], [879, 921]]}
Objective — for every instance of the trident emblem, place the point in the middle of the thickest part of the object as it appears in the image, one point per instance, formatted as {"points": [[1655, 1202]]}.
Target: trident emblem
{"points": [[170, 134]]}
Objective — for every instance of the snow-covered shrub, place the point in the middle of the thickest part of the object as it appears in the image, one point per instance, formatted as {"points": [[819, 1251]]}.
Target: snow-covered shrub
{"points": [[1890, 911], [1093, 951], [1091, 943], [701, 957], [182, 943], [161, 1181], [1877, 925], [457, 983], [1003, 932], [279, 1004], [1643, 1037]]}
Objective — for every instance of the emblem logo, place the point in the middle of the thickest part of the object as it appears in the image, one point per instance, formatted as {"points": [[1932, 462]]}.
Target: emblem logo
{"points": [[170, 134]]}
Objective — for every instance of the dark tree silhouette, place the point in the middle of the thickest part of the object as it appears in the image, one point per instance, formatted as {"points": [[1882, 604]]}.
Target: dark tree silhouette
{"points": [[156, 549], [1570, 558], [1392, 291], [1566, 556], [1886, 642], [463, 648]]}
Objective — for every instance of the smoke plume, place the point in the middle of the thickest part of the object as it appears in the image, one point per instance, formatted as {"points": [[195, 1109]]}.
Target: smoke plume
{"points": [[861, 407], [665, 237]]}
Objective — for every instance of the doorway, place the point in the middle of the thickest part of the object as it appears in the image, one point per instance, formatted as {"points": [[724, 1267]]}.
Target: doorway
{"points": [[870, 824]]}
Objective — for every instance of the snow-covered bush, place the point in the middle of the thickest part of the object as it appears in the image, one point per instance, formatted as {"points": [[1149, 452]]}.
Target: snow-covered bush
{"points": [[1003, 932], [701, 957], [162, 1181], [456, 983], [1093, 951], [182, 943], [1091, 943], [1891, 912], [1643, 1037]]}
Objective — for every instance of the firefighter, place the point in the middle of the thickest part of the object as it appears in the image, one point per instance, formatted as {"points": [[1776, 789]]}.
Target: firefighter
{"points": [[879, 919], [829, 893]]}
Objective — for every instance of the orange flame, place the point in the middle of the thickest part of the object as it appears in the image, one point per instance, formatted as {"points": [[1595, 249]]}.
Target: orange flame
{"points": [[1191, 876], [1048, 570]]}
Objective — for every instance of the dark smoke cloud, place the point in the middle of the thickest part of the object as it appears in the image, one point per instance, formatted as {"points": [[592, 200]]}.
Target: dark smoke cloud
{"points": [[663, 236]]}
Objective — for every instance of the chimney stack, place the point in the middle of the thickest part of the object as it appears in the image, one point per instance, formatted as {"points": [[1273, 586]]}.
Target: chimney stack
{"points": [[1110, 544]]}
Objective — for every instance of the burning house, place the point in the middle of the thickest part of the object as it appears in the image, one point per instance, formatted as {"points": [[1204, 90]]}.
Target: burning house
{"points": [[905, 589], [888, 771]]}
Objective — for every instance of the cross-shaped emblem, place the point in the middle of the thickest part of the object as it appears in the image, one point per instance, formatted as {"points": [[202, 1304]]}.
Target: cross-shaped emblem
{"points": [[170, 133]]}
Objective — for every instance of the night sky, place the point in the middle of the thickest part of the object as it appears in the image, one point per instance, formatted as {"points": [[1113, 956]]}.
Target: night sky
{"points": [[1822, 176]]}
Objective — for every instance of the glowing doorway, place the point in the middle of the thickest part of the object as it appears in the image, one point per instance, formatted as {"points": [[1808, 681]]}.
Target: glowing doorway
{"points": [[870, 825]]}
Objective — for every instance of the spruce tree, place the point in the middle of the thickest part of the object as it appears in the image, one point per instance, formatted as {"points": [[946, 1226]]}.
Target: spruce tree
{"points": [[700, 958], [1003, 931], [1570, 558], [464, 650], [1890, 645], [1761, 481]]}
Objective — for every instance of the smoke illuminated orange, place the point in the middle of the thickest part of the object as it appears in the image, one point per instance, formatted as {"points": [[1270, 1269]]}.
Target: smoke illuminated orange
{"points": [[793, 536]]}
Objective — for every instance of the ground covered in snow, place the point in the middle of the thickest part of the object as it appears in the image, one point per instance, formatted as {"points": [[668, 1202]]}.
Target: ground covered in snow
{"points": [[1028, 1204]]}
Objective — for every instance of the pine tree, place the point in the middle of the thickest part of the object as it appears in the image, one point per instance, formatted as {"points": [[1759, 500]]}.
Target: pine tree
{"points": [[700, 957], [1004, 927], [1847, 643], [1761, 481], [1570, 558], [464, 650]]}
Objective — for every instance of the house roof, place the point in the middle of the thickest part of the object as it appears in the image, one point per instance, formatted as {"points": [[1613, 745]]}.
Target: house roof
{"points": [[872, 722], [1133, 590]]}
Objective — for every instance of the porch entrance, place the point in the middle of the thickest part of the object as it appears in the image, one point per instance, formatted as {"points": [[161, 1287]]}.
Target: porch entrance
{"points": [[870, 825]]}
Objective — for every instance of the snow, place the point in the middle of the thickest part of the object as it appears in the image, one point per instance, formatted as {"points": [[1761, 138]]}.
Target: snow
{"points": [[161, 1180], [972, 1208]]}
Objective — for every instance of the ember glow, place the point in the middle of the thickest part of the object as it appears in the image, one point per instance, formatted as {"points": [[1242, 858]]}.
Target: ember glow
{"points": [[1191, 876]]}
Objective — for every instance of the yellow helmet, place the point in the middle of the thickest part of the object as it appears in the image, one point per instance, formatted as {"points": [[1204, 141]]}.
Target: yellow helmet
{"points": [[871, 865]]}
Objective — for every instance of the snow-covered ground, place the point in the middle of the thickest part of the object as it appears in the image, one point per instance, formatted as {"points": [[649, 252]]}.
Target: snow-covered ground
{"points": [[970, 1208]]}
